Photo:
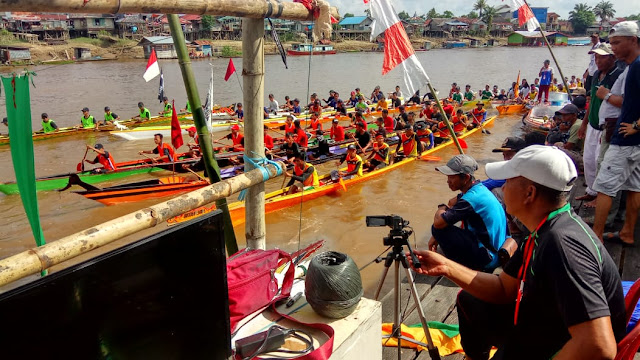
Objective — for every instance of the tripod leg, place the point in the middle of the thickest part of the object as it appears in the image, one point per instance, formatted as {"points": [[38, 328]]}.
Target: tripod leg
{"points": [[397, 330], [433, 351], [381, 282]]}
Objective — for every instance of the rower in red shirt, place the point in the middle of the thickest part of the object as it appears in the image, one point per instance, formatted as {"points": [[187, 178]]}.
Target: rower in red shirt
{"points": [[288, 125], [315, 124], [194, 146], [236, 137], [389, 122], [104, 158], [268, 139], [163, 149], [337, 131], [301, 136], [428, 110]]}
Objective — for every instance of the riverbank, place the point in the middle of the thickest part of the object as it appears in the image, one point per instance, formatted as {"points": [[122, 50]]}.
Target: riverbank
{"points": [[110, 48]]}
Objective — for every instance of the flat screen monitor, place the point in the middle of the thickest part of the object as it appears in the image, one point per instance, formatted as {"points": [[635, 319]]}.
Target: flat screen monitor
{"points": [[162, 297]]}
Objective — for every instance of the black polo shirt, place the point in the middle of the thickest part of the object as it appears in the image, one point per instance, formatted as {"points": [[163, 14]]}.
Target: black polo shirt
{"points": [[571, 279]]}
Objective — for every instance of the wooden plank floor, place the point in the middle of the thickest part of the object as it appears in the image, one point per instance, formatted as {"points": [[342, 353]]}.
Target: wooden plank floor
{"points": [[438, 294]]}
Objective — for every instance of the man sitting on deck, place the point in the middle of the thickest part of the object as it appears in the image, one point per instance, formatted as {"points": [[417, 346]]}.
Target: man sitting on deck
{"points": [[362, 136], [163, 149], [109, 116], [379, 156], [389, 123], [337, 131], [560, 296], [104, 158], [236, 138], [303, 175], [87, 121], [476, 244], [166, 110], [478, 115], [354, 164], [144, 114], [289, 147], [47, 124]]}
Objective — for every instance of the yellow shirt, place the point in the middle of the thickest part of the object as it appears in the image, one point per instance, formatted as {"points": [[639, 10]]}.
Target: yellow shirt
{"points": [[382, 104]]}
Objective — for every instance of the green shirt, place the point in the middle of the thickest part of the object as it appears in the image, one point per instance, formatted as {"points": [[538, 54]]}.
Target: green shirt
{"points": [[594, 106], [88, 123], [573, 136], [486, 94], [457, 97], [469, 95], [49, 126], [145, 114], [167, 109]]}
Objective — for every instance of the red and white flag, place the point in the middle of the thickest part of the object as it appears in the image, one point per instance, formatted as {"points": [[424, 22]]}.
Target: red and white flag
{"points": [[397, 47], [525, 15], [176, 130], [230, 70], [153, 69]]}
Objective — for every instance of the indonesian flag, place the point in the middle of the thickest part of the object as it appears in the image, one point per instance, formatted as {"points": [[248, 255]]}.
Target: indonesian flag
{"points": [[525, 15], [153, 69], [176, 130], [397, 47]]}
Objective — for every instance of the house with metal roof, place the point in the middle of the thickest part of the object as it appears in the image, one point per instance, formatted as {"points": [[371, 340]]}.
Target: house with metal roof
{"points": [[533, 38], [163, 45], [356, 23]]}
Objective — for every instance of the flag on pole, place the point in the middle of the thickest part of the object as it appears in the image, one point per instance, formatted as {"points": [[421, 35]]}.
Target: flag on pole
{"points": [[525, 15], [397, 47], [230, 70], [176, 130], [161, 87], [153, 69], [516, 89]]}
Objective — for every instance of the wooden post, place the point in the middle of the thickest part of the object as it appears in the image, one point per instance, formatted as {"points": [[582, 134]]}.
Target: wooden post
{"points": [[253, 97], [206, 148], [257, 9], [446, 119], [37, 259]]}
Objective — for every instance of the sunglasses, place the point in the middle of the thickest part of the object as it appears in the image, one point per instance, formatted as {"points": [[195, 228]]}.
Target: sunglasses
{"points": [[566, 123]]}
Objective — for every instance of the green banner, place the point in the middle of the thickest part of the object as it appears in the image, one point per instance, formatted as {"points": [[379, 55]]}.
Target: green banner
{"points": [[19, 117]]}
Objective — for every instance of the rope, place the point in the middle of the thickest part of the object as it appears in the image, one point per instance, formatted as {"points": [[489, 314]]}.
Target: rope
{"points": [[259, 163]]}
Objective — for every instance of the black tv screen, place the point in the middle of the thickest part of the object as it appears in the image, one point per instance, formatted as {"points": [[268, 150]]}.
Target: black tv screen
{"points": [[162, 297]]}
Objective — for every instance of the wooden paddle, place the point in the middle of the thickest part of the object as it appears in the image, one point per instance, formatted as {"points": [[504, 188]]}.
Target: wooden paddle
{"points": [[195, 173], [80, 166], [482, 129], [150, 158]]}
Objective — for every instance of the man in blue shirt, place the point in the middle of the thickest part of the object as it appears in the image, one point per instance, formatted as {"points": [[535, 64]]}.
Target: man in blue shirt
{"points": [[546, 74], [484, 230], [620, 168]]}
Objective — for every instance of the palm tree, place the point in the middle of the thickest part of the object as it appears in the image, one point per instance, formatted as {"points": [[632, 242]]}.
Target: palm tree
{"points": [[480, 5], [489, 13], [581, 17], [604, 10], [579, 9]]}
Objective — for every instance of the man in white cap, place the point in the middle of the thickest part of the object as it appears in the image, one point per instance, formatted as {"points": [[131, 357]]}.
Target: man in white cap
{"points": [[590, 129], [485, 224], [560, 295], [621, 170]]}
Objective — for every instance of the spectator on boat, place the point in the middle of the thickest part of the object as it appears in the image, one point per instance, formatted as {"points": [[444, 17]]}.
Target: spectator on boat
{"points": [[109, 116], [536, 82], [144, 114], [573, 83], [48, 125], [511, 95], [561, 88], [415, 99], [354, 164], [389, 123], [337, 131], [290, 147], [457, 97], [525, 89], [478, 115], [166, 111], [408, 143], [353, 100], [554, 85], [560, 296], [382, 103], [87, 121], [590, 130], [398, 91], [302, 176], [476, 245], [533, 94], [469, 95], [545, 74], [622, 170], [103, 158], [503, 96], [295, 109], [162, 149], [239, 113], [379, 156], [288, 104], [333, 99], [376, 95], [272, 105], [486, 93], [362, 136], [395, 101], [591, 69], [358, 92]]}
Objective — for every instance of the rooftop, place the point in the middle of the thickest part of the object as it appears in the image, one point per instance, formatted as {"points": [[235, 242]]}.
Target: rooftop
{"points": [[353, 20]]}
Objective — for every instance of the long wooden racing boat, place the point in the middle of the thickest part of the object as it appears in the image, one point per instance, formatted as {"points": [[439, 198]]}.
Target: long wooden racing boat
{"points": [[98, 175], [278, 200], [507, 109], [142, 190]]}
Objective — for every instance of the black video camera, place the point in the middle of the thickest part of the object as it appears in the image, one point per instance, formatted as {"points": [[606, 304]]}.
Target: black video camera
{"points": [[395, 222]]}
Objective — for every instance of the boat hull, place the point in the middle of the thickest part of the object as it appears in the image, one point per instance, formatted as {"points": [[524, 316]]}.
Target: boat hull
{"points": [[300, 53], [511, 109]]}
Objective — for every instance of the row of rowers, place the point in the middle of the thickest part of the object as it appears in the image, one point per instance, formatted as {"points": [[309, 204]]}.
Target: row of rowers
{"points": [[88, 121]]}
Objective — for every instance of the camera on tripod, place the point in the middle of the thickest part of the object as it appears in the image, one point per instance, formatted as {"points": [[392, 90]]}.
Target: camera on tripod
{"points": [[398, 235]]}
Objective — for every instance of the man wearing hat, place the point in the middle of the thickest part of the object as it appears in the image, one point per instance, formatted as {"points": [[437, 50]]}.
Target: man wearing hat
{"points": [[194, 146], [395, 101], [104, 158], [545, 74], [354, 163], [569, 116], [560, 296], [478, 115], [485, 225], [591, 69], [622, 159], [236, 138], [48, 125], [590, 130], [87, 121], [109, 116]]}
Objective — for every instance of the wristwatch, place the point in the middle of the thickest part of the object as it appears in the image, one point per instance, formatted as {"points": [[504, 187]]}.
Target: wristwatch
{"points": [[606, 97], [635, 125]]}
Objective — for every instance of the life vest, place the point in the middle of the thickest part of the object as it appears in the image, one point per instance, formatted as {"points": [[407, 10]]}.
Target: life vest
{"points": [[167, 109], [312, 180], [479, 115], [409, 147], [108, 116], [46, 126], [425, 136], [352, 162], [172, 154], [88, 123], [302, 138], [289, 128], [377, 148], [144, 113], [107, 162]]}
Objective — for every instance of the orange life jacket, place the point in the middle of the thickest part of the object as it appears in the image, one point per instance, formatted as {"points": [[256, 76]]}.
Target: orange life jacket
{"points": [[172, 153], [289, 128], [352, 162], [312, 180], [377, 156], [107, 162], [409, 147]]}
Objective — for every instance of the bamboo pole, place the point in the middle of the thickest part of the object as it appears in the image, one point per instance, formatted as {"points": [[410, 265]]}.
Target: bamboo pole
{"points": [[206, 148], [257, 9], [253, 98], [446, 119], [37, 259]]}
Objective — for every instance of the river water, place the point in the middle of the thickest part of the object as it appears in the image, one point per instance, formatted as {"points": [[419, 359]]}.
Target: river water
{"points": [[412, 191]]}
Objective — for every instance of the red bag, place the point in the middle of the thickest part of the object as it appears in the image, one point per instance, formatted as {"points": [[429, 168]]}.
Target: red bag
{"points": [[252, 283]]}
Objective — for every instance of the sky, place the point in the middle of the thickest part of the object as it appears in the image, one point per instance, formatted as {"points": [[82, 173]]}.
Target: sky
{"points": [[461, 7]]}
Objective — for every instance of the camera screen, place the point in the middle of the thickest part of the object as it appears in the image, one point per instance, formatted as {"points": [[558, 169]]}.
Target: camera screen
{"points": [[376, 221]]}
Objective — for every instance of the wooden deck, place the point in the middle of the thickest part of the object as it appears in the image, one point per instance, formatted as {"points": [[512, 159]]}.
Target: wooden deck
{"points": [[438, 294]]}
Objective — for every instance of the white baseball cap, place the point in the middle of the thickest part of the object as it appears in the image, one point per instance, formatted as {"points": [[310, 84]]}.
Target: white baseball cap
{"points": [[625, 28], [544, 165]]}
